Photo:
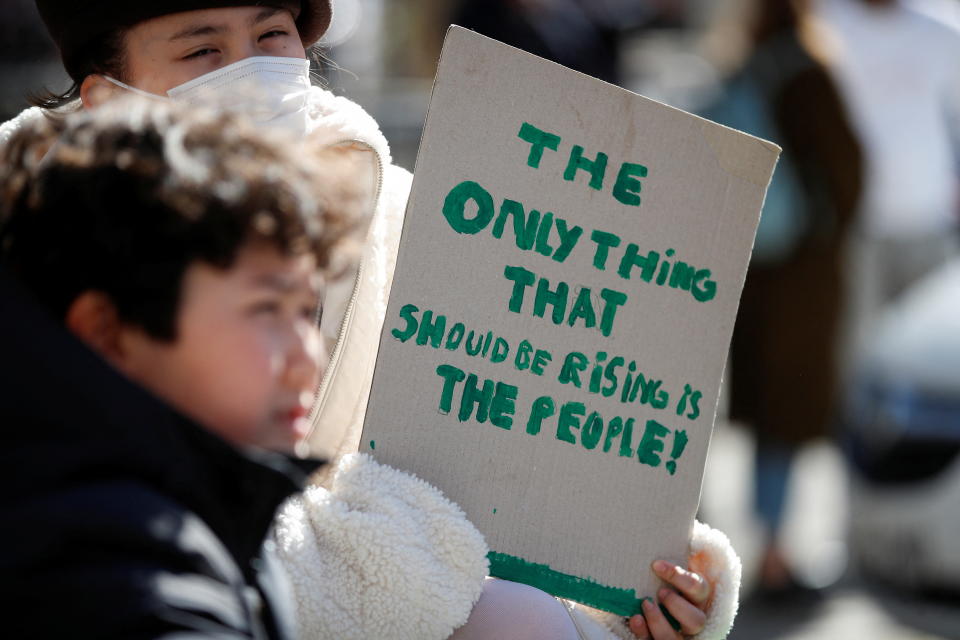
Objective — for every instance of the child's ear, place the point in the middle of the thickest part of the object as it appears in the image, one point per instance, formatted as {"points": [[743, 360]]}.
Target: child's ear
{"points": [[93, 318]]}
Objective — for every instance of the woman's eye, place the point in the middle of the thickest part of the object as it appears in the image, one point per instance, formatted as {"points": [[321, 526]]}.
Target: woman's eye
{"points": [[199, 53], [274, 34]]}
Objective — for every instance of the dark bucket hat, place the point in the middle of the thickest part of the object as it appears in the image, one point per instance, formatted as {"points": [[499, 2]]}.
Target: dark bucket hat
{"points": [[75, 25]]}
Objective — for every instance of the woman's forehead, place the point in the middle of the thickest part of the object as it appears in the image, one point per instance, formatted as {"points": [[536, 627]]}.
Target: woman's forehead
{"points": [[199, 22]]}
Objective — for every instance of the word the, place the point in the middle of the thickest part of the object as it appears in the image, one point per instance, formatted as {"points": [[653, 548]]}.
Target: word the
{"points": [[627, 187], [490, 400]]}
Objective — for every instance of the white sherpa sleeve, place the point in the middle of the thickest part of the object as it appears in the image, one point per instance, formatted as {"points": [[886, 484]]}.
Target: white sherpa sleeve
{"points": [[711, 549], [382, 554], [710, 553], [10, 127]]}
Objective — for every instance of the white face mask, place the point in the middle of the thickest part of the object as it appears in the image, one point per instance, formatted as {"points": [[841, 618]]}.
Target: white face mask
{"points": [[270, 90]]}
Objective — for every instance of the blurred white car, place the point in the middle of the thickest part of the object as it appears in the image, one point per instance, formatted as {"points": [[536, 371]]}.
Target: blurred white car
{"points": [[902, 436]]}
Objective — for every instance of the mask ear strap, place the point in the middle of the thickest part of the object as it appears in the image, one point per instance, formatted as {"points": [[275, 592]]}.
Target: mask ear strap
{"points": [[140, 92]]}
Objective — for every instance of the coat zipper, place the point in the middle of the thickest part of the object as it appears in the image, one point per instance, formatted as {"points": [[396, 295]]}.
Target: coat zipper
{"points": [[320, 396]]}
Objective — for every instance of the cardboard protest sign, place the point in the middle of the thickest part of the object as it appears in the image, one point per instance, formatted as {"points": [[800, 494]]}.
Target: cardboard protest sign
{"points": [[567, 282]]}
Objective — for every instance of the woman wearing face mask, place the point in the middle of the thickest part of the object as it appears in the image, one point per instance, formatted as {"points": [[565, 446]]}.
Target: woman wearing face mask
{"points": [[352, 569]]}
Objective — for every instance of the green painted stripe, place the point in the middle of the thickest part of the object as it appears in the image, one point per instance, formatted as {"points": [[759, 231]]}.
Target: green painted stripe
{"points": [[623, 602]]}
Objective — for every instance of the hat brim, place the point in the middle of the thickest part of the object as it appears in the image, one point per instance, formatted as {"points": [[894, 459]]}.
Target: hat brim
{"points": [[75, 25], [313, 21]]}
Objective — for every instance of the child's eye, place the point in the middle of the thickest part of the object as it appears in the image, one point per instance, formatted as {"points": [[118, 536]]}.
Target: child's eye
{"points": [[312, 312], [266, 307], [199, 53]]}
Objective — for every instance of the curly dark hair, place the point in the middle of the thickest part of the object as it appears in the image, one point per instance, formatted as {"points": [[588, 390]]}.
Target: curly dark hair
{"points": [[128, 196]]}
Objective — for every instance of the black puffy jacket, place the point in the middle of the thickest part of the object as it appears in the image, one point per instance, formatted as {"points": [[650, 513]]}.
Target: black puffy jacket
{"points": [[121, 518]]}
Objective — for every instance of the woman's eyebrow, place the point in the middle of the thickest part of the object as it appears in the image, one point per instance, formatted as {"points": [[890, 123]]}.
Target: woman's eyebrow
{"points": [[198, 30], [265, 14], [207, 29]]}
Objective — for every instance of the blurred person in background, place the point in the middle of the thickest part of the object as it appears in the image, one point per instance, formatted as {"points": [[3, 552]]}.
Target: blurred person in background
{"points": [[783, 352], [584, 35], [899, 73], [27, 55]]}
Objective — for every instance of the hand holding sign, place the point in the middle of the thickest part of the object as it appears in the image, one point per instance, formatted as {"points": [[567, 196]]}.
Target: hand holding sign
{"points": [[567, 281]]}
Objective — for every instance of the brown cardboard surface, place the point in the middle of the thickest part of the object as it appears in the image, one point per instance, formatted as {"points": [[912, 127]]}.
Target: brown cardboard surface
{"points": [[565, 503]]}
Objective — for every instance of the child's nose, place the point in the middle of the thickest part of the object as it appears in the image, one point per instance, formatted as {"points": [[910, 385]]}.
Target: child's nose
{"points": [[305, 358]]}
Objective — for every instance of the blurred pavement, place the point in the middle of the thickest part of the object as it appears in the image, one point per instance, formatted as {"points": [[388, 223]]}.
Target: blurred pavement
{"points": [[850, 608]]}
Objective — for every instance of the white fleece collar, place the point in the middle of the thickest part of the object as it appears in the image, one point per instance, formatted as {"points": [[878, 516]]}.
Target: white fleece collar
{"points": [[336, 119], [333, 119]]}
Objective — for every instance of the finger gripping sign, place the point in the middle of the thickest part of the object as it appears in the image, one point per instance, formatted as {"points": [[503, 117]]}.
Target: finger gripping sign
{"points": [[565, 291]]}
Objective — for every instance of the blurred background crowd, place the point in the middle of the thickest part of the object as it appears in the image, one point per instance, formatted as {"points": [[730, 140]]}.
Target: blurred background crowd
{"points": [[835, 463]]}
